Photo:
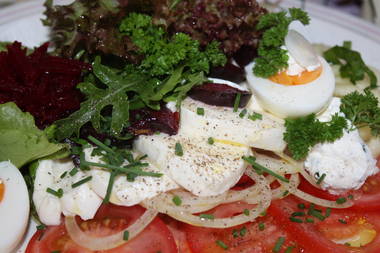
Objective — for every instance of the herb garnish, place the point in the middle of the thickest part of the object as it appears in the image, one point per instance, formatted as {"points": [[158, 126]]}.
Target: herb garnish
{"points": [[305, 132], [206, 216], [82, 181], [178, 149], [277, 247], [177, 200], [362, 109], [260, 169], [321, 178], [272, 58], [351, 64], [58, 193], [221, 244]]}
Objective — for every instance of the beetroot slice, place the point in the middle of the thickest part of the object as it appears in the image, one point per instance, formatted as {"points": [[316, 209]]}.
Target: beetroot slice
{"points": [[147, 121], [39, 83], [219, 94], [228, 72]]}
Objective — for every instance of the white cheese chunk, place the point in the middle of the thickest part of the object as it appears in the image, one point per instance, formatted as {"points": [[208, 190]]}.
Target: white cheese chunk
{"points": [[203, 169], [225, 125], [124, 192], [347, 162], [80, 201]]}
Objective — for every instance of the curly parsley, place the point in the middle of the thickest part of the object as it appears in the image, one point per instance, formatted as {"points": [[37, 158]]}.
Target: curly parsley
{"points": [[351, 64], [362, 110], [305, 132], [272, 58]]}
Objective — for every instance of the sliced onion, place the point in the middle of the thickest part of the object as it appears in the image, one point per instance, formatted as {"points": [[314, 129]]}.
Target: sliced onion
{"points": [[111, 241], [301, 49]]}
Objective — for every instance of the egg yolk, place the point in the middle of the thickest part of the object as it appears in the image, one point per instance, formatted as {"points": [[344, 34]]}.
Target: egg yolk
{"points": [[304, 78], [2, 190]]}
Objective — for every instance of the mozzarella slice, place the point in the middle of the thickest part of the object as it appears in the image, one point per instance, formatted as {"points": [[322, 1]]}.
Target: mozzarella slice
{"points": [[80, 201], [203, 169], [124, 192], [225, 125]]}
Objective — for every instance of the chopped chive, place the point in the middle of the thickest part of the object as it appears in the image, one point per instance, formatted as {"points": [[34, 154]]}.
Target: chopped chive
{"points": [[317, 215], [80, 182], [289, 249], [101, 145], [261, 226], [130, 168], [251, 160], [200, 111], [309, 220], [294, 219], [285, 193], [243, 231], [295, 214], [111, 181], [63, 175], [206, 216], [55, 251], [347, 244], [126, 235], [73, 171], [321, 178], [350, 196], [328, 212], [178, 149], [41, 227], [210, 140], [235, 233], [237, 102], [243, 113], [277, 247], [301, 206], [157, 133], [246, 212], [255, 116], [142, 157], [177, 200], [342, 221], [221, 244], [58, 193], [341, 200], [263, 213]]}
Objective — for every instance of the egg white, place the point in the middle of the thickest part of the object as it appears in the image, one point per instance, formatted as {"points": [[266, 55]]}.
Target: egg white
{"points": [[14, 207], [293, 100]]}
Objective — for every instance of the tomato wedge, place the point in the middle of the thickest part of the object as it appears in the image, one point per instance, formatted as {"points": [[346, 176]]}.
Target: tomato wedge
{"points": [[321, 234], [109, 219], [255, 237]]}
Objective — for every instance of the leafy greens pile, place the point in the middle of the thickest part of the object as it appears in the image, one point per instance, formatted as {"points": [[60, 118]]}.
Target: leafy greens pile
{"points": [[171, 66]]}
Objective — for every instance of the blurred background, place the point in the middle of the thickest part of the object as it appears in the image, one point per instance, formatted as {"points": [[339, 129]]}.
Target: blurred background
{"points": [[366, 9]]}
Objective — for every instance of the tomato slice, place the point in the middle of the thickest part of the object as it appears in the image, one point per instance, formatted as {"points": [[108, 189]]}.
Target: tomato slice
{"points": [[109, 219], [319, 236], [254, 237], [367, 198]]}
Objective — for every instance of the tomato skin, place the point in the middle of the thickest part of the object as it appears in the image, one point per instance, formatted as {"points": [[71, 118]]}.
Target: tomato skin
{"points": [[109, 219]]}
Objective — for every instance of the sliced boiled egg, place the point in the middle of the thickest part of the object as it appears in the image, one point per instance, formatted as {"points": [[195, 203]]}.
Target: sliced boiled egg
{"points": [[14, 206], [305, 87]]}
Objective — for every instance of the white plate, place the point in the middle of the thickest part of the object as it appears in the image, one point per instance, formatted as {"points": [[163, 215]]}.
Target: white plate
{"points": [[22, 22]]}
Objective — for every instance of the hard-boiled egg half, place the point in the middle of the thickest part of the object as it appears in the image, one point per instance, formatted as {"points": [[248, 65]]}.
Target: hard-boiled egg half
{"points": [[305, 87], [14, 207]]}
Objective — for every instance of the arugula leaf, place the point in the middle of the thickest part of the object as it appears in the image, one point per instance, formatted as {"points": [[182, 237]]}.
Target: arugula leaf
{"points": [[272, 58], [362, 110], [351, 64], [21, 141], [305, 132]]}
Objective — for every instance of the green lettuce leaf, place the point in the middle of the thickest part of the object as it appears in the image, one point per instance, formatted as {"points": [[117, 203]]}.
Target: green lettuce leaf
{"points": [[21, 141]]}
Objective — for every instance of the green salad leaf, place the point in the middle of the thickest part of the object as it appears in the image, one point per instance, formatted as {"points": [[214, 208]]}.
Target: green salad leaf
{"points": [[351, 64], [21, 141], [3, 46]]}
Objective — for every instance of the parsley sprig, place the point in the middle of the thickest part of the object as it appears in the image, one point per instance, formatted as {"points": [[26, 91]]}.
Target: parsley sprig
{"points": [[362, 109], [303, 133], [351, 64], [272, 58]]}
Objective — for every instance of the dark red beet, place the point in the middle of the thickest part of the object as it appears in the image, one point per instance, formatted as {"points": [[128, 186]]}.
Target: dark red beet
{"points": [[219, 94], [245, 55], [228, 72], [39, 83], [147, 121]]}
